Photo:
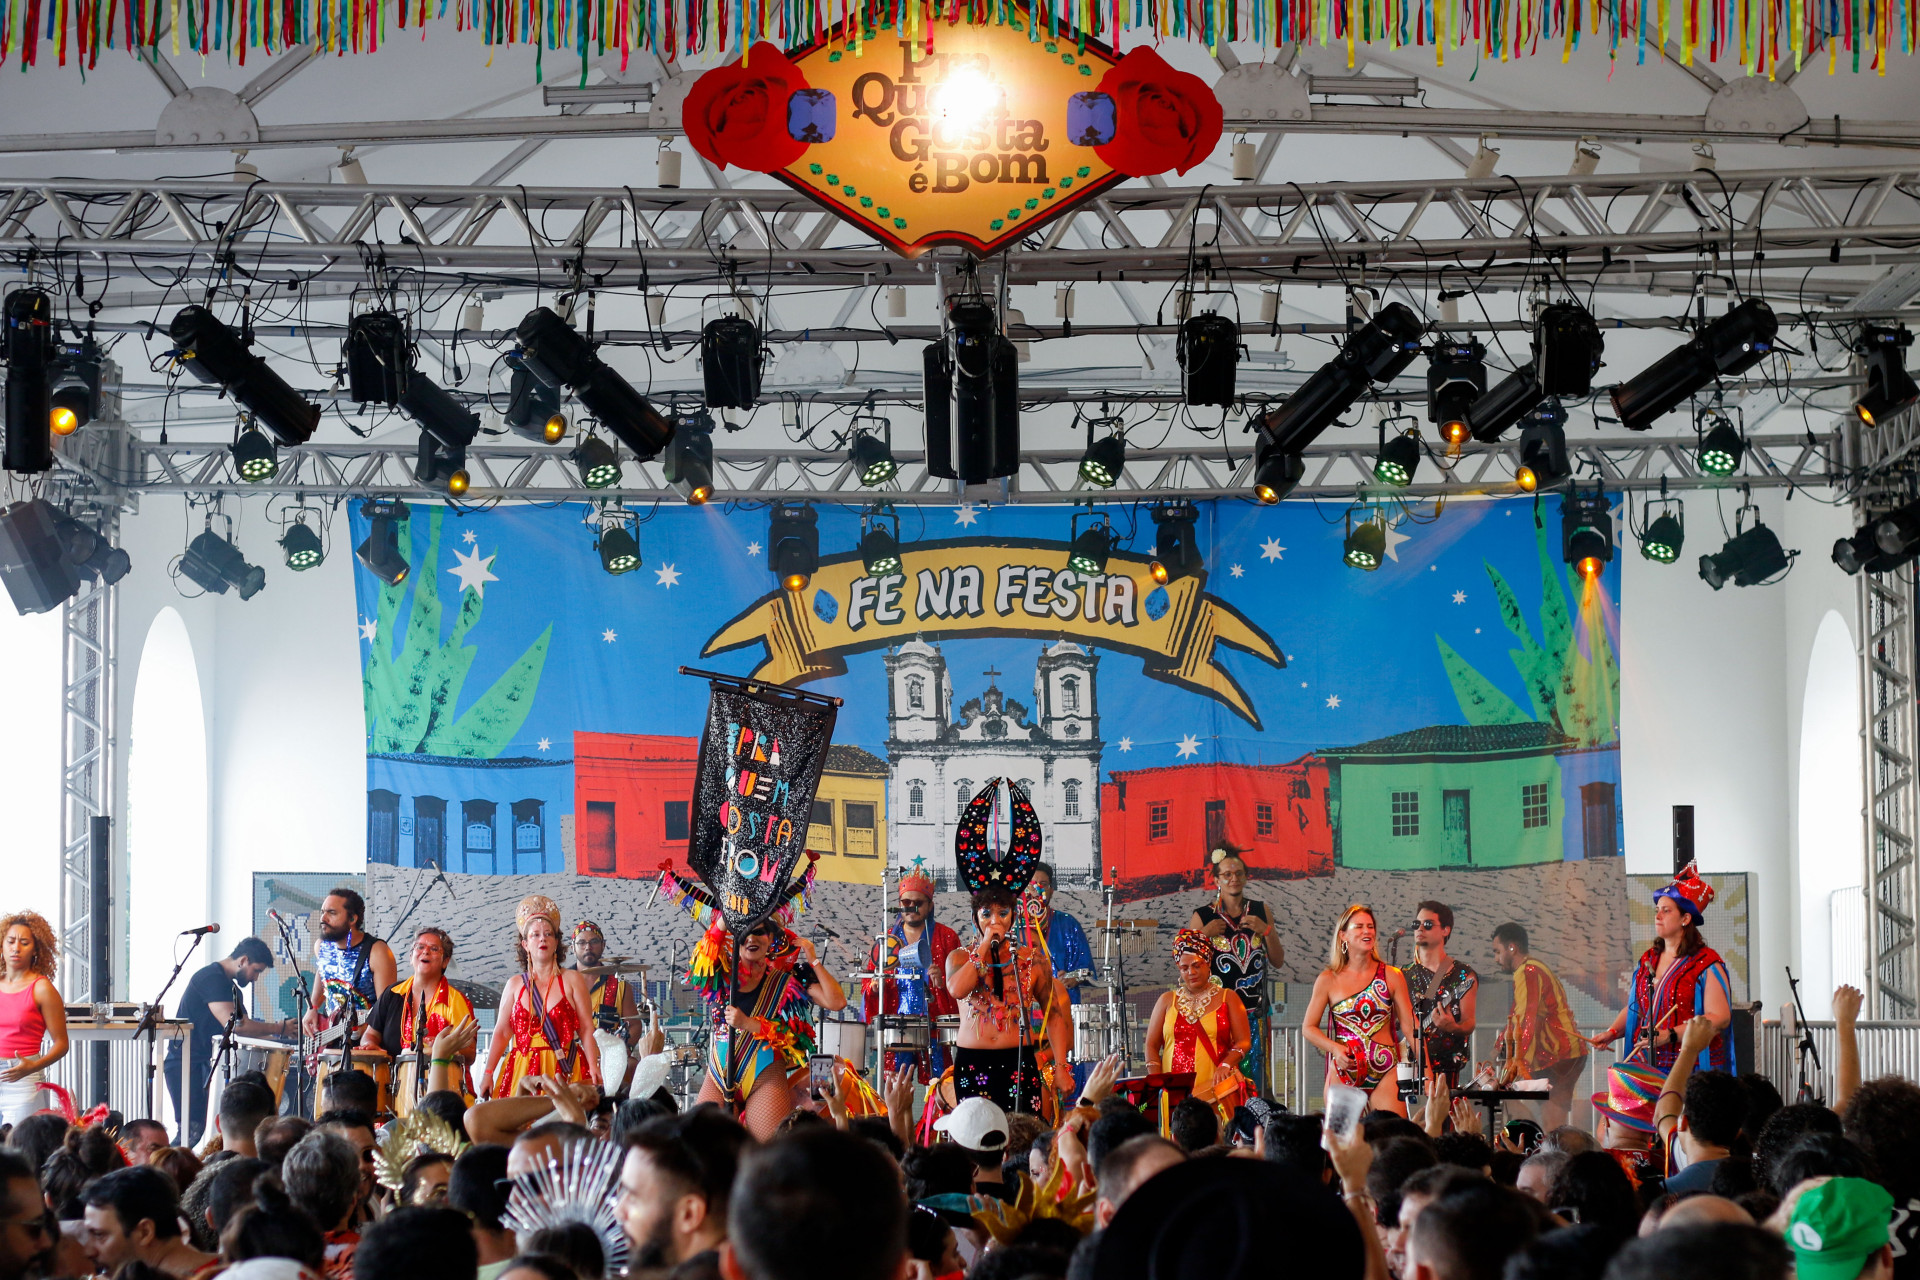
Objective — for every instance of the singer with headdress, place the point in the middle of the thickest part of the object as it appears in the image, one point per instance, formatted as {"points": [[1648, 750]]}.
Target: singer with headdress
{"points": [[1014, 1022], [1678, 977], [544, 1017], [1199, 1025], [917, 946]]}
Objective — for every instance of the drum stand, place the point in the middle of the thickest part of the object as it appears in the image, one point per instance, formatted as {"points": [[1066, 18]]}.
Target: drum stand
{"points": [[1115, 963]]}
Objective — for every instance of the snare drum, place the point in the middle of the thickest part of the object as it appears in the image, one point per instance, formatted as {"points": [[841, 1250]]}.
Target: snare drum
{"points": [[906, 1033], [1095, 1031], [844, 1038], [946, 1029], [372, 1061]]}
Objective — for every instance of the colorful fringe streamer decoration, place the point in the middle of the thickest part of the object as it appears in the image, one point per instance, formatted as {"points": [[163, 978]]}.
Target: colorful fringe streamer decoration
{"points": [[1761, 35]]}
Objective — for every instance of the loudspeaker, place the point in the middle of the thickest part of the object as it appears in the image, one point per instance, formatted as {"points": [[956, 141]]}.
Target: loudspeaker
{"points": [[730, 363], [1741, 1029], [377, 358], [1682, 837], [33, 562], [1567, 347], [1208, 351], [972, 392]]}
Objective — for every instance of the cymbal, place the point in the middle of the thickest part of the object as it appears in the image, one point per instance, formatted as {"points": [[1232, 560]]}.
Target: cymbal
{"points": [[618, 964]]}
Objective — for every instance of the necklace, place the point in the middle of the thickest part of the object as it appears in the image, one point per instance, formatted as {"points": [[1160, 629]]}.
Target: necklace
{"points": [[1192, 1007]]}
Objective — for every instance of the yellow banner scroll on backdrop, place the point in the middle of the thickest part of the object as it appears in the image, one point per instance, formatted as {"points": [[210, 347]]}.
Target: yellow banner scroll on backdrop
{"points": [[991, 588]]}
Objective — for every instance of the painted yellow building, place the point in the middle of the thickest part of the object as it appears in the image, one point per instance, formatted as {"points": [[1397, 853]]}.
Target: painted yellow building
{"points": [[849, 828]]}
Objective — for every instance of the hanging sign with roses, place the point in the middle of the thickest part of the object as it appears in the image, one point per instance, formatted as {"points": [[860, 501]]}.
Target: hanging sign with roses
{"points": [[975, 143]]}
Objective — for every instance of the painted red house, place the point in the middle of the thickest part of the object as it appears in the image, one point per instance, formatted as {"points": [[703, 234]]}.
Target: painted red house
{"points": [[631, 797], [1157, 826]]}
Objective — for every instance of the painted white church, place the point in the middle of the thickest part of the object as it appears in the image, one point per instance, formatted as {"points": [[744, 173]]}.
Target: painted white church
{"points": [[939, 759]]}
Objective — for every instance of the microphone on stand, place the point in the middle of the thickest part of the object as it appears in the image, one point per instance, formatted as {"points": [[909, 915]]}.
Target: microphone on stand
{"points": [[202, 931]]}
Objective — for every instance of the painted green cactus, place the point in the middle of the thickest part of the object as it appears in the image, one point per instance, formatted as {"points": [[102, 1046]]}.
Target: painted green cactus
{"points": [[413, 697], [1577, 692]]}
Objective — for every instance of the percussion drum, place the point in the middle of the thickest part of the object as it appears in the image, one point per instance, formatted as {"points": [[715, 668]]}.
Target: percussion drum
{"points": [[946, 1029], [905, 1033], [844, 1038], [1096, 1031], [372, 1061], [407, 1084], [271, 1056]]}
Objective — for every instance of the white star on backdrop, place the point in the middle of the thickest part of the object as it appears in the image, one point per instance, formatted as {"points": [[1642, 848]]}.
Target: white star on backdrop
{"points": [[1333, 701], [469, 537], [369, 628], [1394, 539], [666, 575], [1237, 571], [1459, 597], [473, 572], [1271, 549], [1126, 744], [1189, 746], [608, 636], [966, 513], [753, 548], [545, 744]]}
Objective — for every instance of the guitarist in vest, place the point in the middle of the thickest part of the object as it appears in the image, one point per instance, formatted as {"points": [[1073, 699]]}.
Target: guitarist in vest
{"points": [[609, 996], [353, 965], [1678, 978]]}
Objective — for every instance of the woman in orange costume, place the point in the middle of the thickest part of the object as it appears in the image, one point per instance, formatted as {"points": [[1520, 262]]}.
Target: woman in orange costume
{"points": [[544, 1011], [1202, 1027]]}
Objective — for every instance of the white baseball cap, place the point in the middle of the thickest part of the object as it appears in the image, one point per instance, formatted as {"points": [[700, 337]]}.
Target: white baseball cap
{"points": [[977, 1124]]}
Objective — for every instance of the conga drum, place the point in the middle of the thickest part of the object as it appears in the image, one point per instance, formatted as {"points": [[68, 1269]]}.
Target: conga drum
{"points": [[408, 1082], [374, 1062]]}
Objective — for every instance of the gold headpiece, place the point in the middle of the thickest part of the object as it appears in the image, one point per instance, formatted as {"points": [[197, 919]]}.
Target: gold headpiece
{"points": [[533, 907]]}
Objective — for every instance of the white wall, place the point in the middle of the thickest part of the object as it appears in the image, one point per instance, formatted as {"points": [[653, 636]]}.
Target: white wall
{"points": [[1828, 827], [30, 761]]}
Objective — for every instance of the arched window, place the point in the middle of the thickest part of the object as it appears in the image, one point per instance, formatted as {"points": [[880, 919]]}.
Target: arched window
{"points": [[1069, 693], [167, 853], [916, 693], [916, 799], [1070, 799], [962, 792]]}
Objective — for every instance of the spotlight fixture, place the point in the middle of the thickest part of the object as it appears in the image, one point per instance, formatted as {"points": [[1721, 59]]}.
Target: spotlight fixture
{"points": [[214, 564], [254, 456], [1586, 532], [381, 551], [533, 407], [1105, 458], [1378, 351], [447, 427], [29, 350], [730, 363], [216, 355], [1543, 449], [74, 387], [1722, 448], [617, 543], [1456, 377], [379, 358], [1176, 551], [689, 462], [1751, 557], [1725, 348], [793, 544], [1890, 388], [597, 462], [872, 455], [1088, 548], [972, 391], [1208, 351], [89, 552], [33, 561], [1366, 543], [556, 354], [1662, 540], [1566, 349], [1511, 399], [300, 543], [879, 545], [1399, 459], [1897, 533]]}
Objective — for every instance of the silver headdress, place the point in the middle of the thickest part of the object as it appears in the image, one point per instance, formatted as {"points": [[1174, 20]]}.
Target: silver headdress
{"points": [[578, 1187]]}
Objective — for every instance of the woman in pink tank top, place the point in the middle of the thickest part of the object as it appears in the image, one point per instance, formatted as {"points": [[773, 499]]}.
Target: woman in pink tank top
{"points": [[32, 1017]]}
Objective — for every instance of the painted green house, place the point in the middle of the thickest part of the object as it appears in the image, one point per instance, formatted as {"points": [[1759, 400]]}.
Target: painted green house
{"points": [[1449, 795]]}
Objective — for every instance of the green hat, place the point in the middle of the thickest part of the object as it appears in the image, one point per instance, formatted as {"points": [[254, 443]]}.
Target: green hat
{"points": [[1836, 1226]]}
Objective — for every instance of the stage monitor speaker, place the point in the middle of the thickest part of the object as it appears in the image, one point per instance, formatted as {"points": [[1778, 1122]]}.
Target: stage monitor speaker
{"points": [[1682, 837], [1741, 1029], [33, 561]]}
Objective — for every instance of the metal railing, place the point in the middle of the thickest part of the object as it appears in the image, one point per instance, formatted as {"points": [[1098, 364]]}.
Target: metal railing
{"points": [[1886, 1049]]}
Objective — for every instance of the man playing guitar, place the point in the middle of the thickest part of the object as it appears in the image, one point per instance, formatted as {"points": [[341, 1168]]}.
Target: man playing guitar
{"points": [[353, 964]]}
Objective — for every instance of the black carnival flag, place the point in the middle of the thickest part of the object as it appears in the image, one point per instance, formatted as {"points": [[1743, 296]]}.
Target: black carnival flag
{"points": [[760, 761]]}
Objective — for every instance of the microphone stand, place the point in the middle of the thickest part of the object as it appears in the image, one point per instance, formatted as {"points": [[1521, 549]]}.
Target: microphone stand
{"points": [[150, 1027], [223, 1057], [304, 993], [1804, 1048]]}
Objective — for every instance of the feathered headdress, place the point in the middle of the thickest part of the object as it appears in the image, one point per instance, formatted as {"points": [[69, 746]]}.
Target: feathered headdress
{"points": [[1050, 1199], [982, 866], [1689, 892], [419, 1130], [578, 1187]]}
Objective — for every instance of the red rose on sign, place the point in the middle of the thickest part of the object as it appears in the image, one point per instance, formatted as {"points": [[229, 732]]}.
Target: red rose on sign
{"points": [[737, 114], [1163, 119]]}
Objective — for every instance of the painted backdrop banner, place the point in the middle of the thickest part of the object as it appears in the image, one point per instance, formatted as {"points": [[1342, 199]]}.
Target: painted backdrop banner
{"points": [[1445, 726]]}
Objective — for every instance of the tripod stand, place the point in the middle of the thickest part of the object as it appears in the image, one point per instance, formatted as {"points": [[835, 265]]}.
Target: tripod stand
{"points": [[1804, 1049]]}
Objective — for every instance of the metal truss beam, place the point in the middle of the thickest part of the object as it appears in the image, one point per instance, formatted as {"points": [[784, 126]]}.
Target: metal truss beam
{"points": [[1886, 628], [1632, 232], [88, 739], [543, 474]]}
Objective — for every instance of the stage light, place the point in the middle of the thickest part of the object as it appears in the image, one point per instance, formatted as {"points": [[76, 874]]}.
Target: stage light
{"points": [[618, 547], [557, 354], [1088, 548], [1890, 388], [793, 544], [1663, 538], [29, 350], [300, 543], [74, 387], [1366, 543], [1456, 378], [218, 356], [971, 384], [1727, 347], [598, 464], [1511, 399], [1543, 449], [964, 101], [1722, 448], [1275, 474], [33, 560], [1566, 349], [1208, 351], [730, 363], [1586, 533], [880, 546], [89, 552], [1863, 552], [1176, 551], [1104, 459], [254, 456], [1898, 532], [214, 564], [872, 456], [381, 551], [379, 358], [1398, 461], [1750, 558], [689, 462], [447, 427], [533, 407]]}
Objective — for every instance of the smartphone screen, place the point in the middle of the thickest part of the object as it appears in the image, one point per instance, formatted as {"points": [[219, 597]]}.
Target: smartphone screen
{"points": [[1345, 1106], [820, 1073]]}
